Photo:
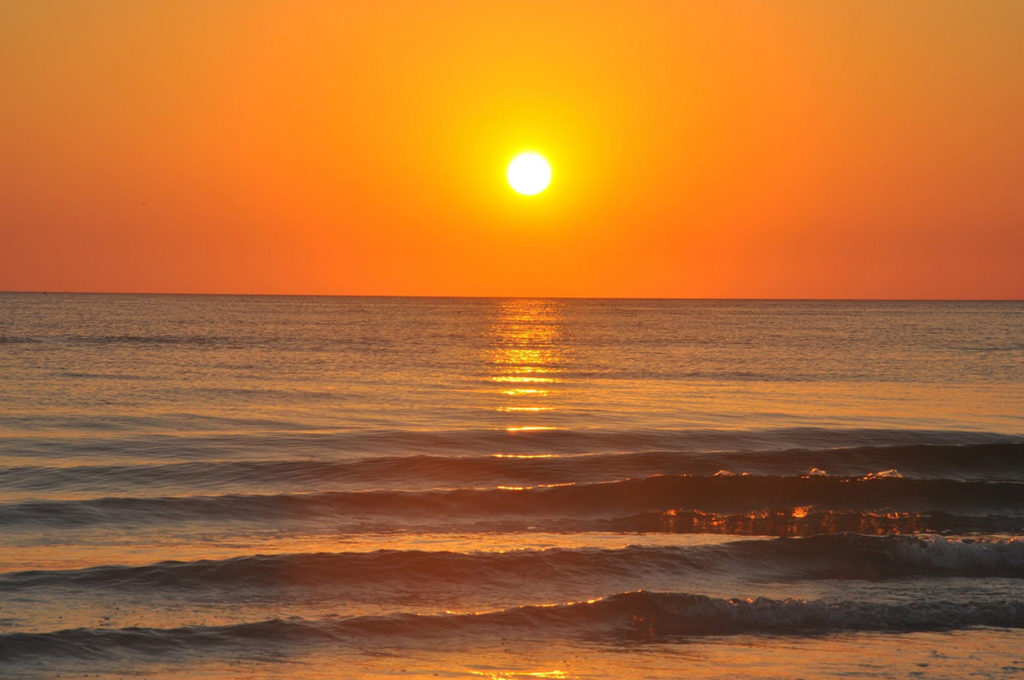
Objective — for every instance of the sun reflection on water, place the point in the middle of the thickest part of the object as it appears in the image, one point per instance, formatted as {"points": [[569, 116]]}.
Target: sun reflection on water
{"points": [[514, 675], [523, 409], [526, 359]]}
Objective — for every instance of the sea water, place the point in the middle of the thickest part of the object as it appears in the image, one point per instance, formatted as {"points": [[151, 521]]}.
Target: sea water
{"points": [[221, 486]]}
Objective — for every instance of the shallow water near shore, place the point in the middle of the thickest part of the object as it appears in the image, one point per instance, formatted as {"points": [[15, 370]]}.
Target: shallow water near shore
{"points": [[219, 486]]}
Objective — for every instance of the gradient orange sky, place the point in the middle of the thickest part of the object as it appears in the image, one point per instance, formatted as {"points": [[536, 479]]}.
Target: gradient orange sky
{"points": [[700, 149]]}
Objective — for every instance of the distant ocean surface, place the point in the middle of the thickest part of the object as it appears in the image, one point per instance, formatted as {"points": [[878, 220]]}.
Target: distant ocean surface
{"points": [[303, 487]]}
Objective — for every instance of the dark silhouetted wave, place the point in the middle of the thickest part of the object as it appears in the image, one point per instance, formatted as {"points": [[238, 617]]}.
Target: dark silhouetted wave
{"points": [[980, 462], [717, 494], [801, 521], [848, 556], [270, 436], [639, 615]]}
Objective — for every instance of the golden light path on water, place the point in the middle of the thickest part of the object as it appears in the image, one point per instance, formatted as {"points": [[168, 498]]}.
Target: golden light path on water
{"points": [[526, 357]]}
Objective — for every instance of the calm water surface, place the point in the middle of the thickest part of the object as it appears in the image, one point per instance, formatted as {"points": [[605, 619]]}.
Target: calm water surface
{"points": [[206, 486]]}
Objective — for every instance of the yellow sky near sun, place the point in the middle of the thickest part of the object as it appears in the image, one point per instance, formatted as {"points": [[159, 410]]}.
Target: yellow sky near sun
{"points": [[798, 149]]}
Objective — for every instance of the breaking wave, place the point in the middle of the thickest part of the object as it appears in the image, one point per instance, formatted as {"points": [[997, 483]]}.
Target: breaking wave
{"points": [[846, 556], [640, 615]]}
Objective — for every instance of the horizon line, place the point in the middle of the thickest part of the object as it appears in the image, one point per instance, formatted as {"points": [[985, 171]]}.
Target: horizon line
{"points": [[521, 297]]}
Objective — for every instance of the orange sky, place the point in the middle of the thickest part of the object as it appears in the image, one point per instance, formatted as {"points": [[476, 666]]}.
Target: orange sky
{"points": [[700, 149]]}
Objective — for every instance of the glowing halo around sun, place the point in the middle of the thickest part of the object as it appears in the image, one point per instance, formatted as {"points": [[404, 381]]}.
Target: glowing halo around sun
{"points": [[529, 173]]}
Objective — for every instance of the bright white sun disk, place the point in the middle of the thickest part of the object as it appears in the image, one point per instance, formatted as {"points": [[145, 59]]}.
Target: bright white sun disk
{"points": [[529, 173]]}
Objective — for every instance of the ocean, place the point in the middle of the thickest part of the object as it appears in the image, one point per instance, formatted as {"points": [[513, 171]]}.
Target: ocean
{"points": [[310, 487]]}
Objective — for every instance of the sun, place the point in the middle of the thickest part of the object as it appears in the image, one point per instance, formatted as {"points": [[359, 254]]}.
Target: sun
{"points": [[529, 173]]}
